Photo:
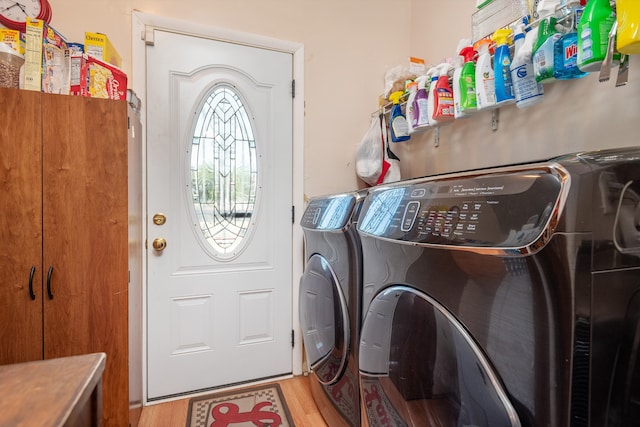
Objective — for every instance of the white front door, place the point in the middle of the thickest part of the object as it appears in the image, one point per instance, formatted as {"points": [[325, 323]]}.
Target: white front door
{"points": [[219, 174]]}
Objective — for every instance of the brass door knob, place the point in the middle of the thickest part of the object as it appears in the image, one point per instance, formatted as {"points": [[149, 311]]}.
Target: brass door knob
{"points": [[159, 244]]}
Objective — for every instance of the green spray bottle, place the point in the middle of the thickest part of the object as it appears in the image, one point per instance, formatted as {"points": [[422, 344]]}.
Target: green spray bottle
{"points": [[593, 34], [543, 51], [468, 100]]}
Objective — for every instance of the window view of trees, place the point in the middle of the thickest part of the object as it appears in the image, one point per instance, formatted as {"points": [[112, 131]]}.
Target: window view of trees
{"points": [[223, 170]]}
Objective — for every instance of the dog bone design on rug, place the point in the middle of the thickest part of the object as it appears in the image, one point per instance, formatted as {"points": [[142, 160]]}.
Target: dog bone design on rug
{"points": [[255, 407]]}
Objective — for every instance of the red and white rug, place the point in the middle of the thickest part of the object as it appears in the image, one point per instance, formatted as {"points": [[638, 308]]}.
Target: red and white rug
{"points": [[262, 406]]}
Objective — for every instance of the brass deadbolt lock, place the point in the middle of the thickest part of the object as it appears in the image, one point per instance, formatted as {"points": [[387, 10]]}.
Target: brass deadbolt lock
{"points": [[159, 244], [159, 219]]}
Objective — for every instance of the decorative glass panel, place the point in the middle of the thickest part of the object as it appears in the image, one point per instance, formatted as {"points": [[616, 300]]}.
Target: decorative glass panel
{"points": [[224, 171]]}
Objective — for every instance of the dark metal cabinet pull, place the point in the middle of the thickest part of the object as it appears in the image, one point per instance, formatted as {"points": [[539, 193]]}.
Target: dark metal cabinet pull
{"points": [[31, 274], [49, 274]]}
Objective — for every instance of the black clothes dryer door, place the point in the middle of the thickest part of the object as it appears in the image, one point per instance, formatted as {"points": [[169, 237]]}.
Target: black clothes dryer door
{"points": [[325, 320], [420, 367]]}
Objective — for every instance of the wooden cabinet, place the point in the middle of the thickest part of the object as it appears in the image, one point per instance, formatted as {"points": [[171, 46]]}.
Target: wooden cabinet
{"points": [[64, 234]]}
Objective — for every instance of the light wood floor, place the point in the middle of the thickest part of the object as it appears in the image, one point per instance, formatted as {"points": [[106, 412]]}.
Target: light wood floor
{"points": [[296, 392]]}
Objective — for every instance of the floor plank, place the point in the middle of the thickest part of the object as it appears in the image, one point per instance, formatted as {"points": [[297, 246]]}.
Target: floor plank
{"points": [[296, 392]]}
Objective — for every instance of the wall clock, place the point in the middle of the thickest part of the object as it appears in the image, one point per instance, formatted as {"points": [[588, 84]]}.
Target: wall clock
{"points": [[13, 14]]}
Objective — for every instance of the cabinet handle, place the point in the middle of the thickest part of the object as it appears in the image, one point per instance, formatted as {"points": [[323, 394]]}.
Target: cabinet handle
{"points": [[31, 274], [49, 274]]}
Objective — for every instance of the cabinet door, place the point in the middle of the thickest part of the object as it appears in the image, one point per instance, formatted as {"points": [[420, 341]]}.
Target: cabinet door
{"points": [[86, 238], [20, 227]]}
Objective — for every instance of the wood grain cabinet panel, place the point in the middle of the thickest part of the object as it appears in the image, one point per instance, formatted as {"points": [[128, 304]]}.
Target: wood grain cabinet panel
{"points": [[63, 205]]}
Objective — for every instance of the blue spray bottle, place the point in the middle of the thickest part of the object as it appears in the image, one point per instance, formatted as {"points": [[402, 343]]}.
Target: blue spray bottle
{"points": [[565, 51], [397, 120], [501, 67]]}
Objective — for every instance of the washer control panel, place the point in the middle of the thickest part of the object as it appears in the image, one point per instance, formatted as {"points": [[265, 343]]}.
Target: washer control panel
{"points": [[328, 213], [494, 210]]}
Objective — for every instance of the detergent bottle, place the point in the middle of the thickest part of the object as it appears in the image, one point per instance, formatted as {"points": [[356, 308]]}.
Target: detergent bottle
{"points": [[468, 80], [442, 93], [543, 50], [593, 34], [433, 74], [628, 15], [565, 50], [422, 102], [485, 86], [455, 86], [397, 120], [526, 89], [412, 119], [502, 67]]}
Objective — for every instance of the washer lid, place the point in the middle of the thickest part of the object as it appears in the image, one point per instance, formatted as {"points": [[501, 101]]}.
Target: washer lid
{"points": [[419, 366], [324, 319], [331, 213], [511, 212]]}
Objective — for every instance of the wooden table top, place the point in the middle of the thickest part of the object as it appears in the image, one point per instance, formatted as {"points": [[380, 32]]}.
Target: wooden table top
{"points": [[44, 393]]}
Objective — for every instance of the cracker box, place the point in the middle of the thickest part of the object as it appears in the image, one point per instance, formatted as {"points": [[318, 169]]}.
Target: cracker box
{"points": [[99, 79], [13, 38], [99, 46], [47, 59]]}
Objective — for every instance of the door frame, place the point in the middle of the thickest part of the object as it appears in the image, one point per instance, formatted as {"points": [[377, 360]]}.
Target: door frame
{"points": [[142, 26]]}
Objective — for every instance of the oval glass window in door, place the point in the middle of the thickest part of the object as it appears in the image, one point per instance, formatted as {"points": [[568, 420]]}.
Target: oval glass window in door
{"points": [[324, 320], [419, 366], [224, 172]]}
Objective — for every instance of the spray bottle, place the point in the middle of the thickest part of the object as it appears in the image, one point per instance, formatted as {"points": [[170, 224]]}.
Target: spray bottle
{"points": [[455, 86], [443, 110], [485, 86], [543, 50], [422, 102], [565, 51], [527, 90], [593, 34], [397, 120], [501, 66], [433, 74], [412, 119], [468, 80]]}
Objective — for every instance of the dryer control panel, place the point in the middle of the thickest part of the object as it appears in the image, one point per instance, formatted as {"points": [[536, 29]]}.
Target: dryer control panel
{"points": [[493, 210], [329, 213]]}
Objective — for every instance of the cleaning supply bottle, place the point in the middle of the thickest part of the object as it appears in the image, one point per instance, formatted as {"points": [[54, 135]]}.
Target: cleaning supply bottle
{"points": [[565, 51], [421, 103], [412, 119], [455, 86], [593, 34], [526, 89], [628, 15], [443, 110], [543, 50], [397, 120], [501, 66], [468, 80], [485, 86], [433, 74]]}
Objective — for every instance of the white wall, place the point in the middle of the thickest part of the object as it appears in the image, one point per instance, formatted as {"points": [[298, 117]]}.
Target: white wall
{"points": [[575, 115], [349, 45]]}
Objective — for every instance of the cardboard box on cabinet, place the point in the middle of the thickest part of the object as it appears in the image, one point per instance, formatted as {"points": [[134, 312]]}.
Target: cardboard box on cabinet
{"points": [[99, 79], [99, 46], [47, 59]]}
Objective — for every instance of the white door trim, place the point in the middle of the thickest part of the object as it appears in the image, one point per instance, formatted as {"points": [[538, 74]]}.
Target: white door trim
{"points": [[141, 23]]}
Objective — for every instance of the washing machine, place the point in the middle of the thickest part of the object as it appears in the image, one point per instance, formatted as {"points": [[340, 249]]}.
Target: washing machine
{"points": [[504, 297], [330, 301]]}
